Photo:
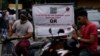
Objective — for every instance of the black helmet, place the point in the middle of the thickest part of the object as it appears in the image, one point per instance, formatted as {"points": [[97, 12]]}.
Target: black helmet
{"points": [[24, 12]]}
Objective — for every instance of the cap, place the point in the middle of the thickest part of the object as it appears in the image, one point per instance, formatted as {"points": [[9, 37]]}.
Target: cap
{"points": [[24, 13]]}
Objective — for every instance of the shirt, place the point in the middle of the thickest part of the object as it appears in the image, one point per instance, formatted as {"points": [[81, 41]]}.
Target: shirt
{"points": [[86, 31], [22, 29]]}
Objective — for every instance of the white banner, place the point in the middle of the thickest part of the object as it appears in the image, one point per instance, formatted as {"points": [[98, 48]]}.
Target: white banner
{"points": [[52, 16]]}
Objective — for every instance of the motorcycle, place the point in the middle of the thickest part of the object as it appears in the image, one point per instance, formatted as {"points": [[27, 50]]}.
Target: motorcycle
{"points": [[8, 48], [59, 46]]}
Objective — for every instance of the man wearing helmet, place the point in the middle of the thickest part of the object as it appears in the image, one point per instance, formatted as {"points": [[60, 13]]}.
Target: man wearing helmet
{"points": [[23, 29]]}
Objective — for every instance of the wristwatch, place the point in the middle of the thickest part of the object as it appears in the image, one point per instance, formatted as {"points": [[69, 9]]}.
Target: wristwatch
{"points": [[78, 38]]}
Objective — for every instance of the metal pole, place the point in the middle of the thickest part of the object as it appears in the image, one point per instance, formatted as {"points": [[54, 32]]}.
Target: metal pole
{"points": [[1, 4], [16, 9]]}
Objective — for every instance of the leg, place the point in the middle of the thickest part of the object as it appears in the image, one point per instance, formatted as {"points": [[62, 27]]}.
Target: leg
{"points": [[4, 50], [24, 47], [85, 52], [17, 49]]}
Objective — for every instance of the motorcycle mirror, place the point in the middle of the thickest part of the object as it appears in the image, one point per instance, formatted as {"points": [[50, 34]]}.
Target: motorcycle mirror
{"points": [[50, 31]]}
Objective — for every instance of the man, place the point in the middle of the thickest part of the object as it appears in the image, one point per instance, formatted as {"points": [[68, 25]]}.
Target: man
{"points": [[11, 18], [23, 30], [87, 35], [3, 25]]}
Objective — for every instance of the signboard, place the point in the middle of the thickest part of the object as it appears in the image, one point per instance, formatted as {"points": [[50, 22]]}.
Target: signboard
{"points": [[13, 6], [52, 16]]}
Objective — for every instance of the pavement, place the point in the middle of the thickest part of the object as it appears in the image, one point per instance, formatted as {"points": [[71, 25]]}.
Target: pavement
{"points": [[0, 49]]}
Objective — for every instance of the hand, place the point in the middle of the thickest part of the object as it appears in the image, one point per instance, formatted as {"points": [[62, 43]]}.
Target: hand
{"points": [[74, 35], [20, 37], [75, 27], [79, 33]]}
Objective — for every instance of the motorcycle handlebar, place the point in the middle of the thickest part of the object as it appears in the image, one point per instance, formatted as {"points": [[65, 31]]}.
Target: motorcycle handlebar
{"points": [[8, 39], [12, 38]]}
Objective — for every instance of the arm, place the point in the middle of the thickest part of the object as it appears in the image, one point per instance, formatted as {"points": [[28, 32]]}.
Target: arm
{"points": [[27, 36], [12, 29], [93, 32], [29, 32], [93, 35], [91, 40], [10, 33]]}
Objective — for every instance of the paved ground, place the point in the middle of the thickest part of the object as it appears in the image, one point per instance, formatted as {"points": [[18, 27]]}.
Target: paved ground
{"points": [[0, 49]]}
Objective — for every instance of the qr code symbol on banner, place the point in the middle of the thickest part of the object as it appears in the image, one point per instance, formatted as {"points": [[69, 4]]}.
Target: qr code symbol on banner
{"points": [[53, 10]]}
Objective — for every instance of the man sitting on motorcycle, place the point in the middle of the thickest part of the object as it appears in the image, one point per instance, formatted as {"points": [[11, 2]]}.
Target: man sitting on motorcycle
{"points": [[87, 35]]}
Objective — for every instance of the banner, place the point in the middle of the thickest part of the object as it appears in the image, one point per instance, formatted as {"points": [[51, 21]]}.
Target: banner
{"points": [[52, 16]]}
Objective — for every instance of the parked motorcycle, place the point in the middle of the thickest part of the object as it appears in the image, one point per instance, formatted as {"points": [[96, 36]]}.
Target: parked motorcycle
{"points": [[8, 48], [60, 46]]}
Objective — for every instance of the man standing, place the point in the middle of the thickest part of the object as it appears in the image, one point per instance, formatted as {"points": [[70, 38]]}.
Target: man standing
{"points": [[23, 29], [87, 35]]}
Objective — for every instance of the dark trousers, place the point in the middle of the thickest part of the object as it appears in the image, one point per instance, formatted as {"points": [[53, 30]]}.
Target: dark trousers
{"points": [[86, 52], [22, 48]]}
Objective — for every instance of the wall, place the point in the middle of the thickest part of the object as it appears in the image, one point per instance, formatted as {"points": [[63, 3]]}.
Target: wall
{"points": [[89, 3]]}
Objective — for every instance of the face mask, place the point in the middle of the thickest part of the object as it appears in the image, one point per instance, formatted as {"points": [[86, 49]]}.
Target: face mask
{"points": [[23, 17], [22, 22]]}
